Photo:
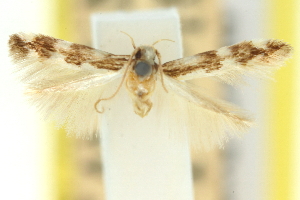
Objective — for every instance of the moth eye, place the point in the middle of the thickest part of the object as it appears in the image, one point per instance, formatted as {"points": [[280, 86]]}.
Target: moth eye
{"points": [[138, 55], [142, 68]]}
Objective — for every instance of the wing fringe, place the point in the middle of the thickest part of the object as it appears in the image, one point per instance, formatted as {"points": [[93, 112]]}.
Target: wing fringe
{"points": [[212, 122]]}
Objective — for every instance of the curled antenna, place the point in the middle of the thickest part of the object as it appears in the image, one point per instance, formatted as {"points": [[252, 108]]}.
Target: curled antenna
{"points": [[132, 41], [162, 40]]}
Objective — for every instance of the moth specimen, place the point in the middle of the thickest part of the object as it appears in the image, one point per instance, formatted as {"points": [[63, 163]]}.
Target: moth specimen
{"points": [[66, 81]]}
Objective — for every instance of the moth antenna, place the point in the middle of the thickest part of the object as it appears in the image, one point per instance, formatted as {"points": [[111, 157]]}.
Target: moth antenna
{"points": [[132, 41], [162, 40], [120, 85], [161, 70], [95, 106]]}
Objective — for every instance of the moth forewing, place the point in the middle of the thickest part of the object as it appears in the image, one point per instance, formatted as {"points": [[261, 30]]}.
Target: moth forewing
{"points": [[257, 58]]}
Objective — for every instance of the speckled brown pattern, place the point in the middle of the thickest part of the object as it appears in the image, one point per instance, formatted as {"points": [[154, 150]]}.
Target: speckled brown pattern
{"points": [[77, 54], [245, 51], [41, 44], [17, 47], [111, 63], [241, 53], [208, 61], [274, 46], [45, 46]]}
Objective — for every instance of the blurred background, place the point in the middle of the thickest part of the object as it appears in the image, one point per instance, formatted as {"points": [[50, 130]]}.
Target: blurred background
{"points": [[41, 163]]}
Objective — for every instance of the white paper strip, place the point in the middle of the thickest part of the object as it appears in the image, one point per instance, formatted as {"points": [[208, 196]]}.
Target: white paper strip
{"points": [[141, 161]]}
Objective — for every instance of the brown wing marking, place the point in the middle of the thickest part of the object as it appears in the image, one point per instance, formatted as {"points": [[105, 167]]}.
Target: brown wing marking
{"points": [[45, 47], [112, 62], [41, 44], [78, 54], [208, 61], [261, 52]]}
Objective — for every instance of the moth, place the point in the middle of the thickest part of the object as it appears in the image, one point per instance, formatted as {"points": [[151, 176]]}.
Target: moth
{"points": [[68, 82]]}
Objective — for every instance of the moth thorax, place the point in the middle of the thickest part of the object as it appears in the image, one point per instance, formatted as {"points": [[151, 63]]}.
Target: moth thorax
{"points": [[143, 69]]}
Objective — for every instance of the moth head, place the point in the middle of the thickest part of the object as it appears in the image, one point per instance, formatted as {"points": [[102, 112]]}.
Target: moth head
{"points": [[144, 63], [146, 53]]}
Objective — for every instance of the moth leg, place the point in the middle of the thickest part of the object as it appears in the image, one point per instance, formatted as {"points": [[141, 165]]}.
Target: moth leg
{"points": [[161, 70], [129, 63]]}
